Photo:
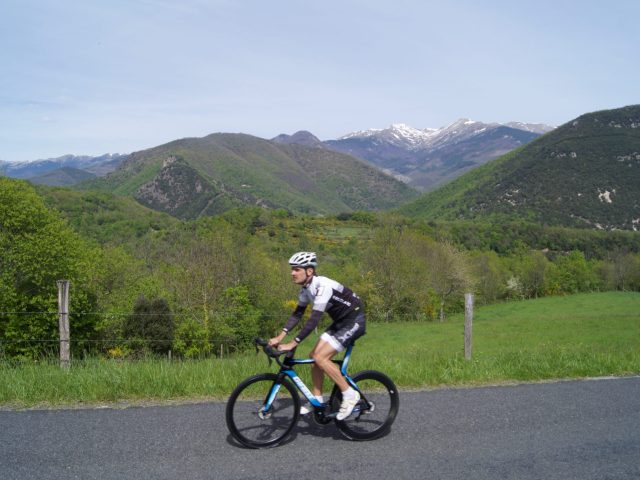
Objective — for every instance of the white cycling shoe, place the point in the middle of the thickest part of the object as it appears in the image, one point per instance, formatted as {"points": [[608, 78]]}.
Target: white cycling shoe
{"points": [[347, 406], [305, 410]]}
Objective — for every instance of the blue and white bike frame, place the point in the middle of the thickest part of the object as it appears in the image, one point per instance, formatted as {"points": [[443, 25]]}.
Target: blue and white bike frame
{"points": [[287, 370]]}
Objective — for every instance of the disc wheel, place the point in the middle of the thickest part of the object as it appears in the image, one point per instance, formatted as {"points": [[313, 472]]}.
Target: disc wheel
{"points": [[375, 412], [247, 419]]}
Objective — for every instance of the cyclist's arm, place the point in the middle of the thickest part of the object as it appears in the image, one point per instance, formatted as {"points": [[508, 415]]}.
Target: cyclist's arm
{"points": [[291, 322], [308, 327], [294, 318]]}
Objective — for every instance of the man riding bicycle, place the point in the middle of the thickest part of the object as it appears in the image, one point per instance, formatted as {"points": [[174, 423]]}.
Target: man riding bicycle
{"points": [[347, 312]]}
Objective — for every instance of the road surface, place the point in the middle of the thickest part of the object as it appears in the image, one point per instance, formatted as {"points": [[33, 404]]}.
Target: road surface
{"points": [[565, 430]]}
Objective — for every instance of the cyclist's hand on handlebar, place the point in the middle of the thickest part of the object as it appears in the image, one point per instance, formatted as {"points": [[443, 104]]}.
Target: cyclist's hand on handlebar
{"points": [[285, 347], [275, 341]]}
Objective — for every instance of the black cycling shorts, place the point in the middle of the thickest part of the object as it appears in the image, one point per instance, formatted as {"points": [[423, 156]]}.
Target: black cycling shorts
{"points": [[341, 335]]}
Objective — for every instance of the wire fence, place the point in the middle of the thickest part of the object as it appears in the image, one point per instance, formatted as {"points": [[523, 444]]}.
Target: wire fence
{"points": [[214, 332]]}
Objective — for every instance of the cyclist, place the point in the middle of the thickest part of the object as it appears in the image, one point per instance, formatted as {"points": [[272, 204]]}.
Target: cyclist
{"points": [[347, 312]]}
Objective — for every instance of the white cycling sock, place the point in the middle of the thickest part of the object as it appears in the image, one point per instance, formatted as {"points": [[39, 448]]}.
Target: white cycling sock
{"points": [[349, 393]]}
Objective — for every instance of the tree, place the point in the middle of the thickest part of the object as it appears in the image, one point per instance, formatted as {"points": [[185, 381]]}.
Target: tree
{"points": [[533, 270], [387, 263], [198, 268], [237, 320], [490, 276], [395, 285], [150, 327], [449, 273], [624, 271], [575, 274], [38, 248]]}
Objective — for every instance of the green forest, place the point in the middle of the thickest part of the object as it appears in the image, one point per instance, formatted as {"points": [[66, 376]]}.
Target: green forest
{"points": [[145, 283]]}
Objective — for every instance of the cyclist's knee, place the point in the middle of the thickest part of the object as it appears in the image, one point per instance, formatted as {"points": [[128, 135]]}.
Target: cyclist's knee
{"points": [[322, 358]]}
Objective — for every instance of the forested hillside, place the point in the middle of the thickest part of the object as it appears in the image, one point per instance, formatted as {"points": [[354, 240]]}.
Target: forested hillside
{"points": [[104, 217], [585, 173], [196, 177], [144, 282]]}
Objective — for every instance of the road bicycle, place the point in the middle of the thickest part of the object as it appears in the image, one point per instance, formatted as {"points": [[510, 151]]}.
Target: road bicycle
{"points": [[263, 409]]}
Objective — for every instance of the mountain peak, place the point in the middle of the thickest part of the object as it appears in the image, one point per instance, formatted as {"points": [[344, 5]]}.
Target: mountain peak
{"points": [[463, 121], [405, 136], [301, 137], [540, 128]]}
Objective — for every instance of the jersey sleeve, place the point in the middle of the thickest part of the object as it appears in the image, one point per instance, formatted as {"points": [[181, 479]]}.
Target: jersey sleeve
{"points": [[294, 318], [308, 327]]}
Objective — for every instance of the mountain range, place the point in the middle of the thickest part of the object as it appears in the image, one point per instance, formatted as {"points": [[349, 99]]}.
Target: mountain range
{"points": [[73, 168], [192, 177], [427, 158], [422, 158], [585, 173]]}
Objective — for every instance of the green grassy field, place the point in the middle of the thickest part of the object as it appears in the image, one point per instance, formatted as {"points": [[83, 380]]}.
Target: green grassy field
{"points": [[551, 338]]}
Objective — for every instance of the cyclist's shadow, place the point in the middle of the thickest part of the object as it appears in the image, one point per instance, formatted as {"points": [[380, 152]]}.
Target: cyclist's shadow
{"points": [[306, 426]]}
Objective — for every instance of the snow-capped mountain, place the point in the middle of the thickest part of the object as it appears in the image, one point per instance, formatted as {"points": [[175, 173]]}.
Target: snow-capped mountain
{"points": [[426, 158], [540, 128], [397, 134], [412, 138]]}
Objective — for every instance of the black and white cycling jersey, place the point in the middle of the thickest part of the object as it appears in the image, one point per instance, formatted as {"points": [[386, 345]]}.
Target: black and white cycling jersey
{"points": [[326, 295], [329, 296]]}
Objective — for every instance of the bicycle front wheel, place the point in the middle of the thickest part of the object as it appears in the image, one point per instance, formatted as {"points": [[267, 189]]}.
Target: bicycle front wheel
{"points": [[248, 419], [375, 412]]}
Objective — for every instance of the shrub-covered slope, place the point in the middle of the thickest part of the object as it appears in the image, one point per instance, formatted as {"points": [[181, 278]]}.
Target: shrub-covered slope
{"points": [[585, 173]]}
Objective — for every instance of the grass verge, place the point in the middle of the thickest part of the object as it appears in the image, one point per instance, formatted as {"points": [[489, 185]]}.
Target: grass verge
{"points": [[583, 335]]}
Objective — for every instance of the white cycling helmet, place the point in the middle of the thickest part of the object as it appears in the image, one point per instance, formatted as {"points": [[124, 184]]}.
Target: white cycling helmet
{"points": [[304, 260]]}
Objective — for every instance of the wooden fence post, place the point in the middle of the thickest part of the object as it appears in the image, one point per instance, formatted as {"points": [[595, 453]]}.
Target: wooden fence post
{"points": [[468, 325], [63, 322]]}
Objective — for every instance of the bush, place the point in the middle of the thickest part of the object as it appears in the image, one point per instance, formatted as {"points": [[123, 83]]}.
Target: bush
{"points": [[150, 327], [191, 339], [237, 322]]}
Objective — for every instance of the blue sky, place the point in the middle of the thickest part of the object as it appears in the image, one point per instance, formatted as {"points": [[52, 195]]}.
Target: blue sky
{"points": [[90, 77]]}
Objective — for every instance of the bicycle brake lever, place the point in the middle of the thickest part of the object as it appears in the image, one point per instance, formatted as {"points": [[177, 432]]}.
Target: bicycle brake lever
{"points": [[267, 350]]}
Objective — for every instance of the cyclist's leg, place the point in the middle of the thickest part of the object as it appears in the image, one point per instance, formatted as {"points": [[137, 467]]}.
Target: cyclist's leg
{"points": [[337, 339], [323, 354], [350, 397], [317, 374]]}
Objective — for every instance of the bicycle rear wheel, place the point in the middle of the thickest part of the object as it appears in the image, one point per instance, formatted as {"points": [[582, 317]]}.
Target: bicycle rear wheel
{"points": [[247, 419], [375, 412]]}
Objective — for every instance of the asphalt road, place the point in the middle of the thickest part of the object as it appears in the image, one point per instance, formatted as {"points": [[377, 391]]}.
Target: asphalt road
{"points": [[567, 430]]}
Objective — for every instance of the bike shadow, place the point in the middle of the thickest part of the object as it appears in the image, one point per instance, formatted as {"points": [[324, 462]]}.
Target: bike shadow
{"points": [[306, 426]]}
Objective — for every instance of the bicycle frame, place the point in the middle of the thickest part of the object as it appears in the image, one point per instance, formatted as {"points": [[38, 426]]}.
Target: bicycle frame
{"points": [[264, 408], [287, 369]]}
